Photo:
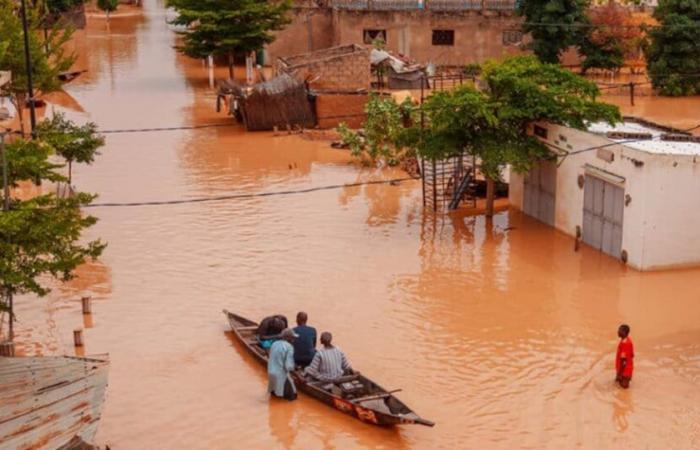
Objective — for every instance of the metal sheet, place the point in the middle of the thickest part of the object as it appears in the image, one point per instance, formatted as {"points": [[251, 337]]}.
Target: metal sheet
{"points": [[603, 211], [539, 192], [46, 402]]}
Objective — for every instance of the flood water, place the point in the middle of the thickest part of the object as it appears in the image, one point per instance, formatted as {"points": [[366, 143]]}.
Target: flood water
{"points": [[496, 330]]}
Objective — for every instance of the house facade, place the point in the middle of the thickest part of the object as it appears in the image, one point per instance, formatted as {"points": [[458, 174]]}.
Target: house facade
{"points": [[631, 191], [442, 32]]}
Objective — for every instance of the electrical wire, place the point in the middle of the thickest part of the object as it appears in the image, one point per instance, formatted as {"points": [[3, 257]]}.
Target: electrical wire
{"points": [[245, 196]]}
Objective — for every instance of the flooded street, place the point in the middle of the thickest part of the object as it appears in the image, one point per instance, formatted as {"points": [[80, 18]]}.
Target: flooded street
{"points": [[496, 330]]}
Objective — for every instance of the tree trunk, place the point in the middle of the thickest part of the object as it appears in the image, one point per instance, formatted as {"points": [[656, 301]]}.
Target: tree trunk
{"points": [[490, 195], [230, 65], [70, 173], [18, 101]]}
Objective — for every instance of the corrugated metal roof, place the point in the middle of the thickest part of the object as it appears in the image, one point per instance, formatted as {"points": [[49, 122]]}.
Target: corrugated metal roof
{"points": [[654, 145]]}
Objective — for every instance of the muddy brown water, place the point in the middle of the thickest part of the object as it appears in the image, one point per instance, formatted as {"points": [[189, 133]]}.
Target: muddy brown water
{"points": [[496, 330]]}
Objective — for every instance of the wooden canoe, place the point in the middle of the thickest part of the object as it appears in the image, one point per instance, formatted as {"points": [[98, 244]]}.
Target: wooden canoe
{"points": [[373, 404], [51, 402]]}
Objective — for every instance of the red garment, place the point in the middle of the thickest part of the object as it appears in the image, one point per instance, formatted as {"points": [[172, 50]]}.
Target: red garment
{"points": [[625, 350]]}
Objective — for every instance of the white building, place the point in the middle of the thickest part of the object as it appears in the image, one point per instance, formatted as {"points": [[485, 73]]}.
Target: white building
{"points": [[638, 201]]}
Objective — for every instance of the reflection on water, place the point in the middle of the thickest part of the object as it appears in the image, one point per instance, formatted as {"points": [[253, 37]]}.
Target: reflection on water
{"points": [[495, 329]]}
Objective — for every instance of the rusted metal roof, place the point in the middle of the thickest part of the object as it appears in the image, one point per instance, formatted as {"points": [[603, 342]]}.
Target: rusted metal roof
{"points": [[50, 402]]}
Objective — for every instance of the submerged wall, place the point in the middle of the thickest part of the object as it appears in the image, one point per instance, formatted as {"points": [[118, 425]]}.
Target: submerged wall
{"points": [[661, 223]]}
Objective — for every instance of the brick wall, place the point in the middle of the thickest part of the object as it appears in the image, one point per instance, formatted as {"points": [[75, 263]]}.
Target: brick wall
{"points": [[338, 69]]}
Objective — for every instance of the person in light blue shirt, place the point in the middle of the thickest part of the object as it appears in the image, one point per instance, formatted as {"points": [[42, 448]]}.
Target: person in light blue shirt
{"points": [[280, 363]]}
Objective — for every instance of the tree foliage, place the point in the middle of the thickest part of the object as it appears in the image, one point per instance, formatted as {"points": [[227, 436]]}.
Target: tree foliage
{"points": [[48, 56], [554, 25], [40, 236], [491, 123], [62, 6], [71, 141], [28, 160], [386, 133], [673, 55], [616, 37], [225, 27], [108, 6]]}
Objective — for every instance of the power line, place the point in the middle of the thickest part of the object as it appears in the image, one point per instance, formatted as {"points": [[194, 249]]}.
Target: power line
{"points": [[245, 196]]}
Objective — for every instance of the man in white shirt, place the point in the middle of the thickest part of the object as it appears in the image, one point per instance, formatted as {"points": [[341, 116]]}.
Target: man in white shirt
{"points": [[329, 362]]}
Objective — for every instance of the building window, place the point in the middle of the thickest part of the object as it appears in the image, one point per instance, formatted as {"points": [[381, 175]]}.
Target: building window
{"points": [[369, 37], [512, 37], [443, 37], [540, 131]]}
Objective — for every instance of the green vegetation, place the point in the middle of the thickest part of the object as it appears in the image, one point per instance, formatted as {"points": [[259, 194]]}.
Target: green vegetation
{"points": [[108, 6], [227, 27], [61, 6], [490, 124], [48, 56], [72, 142], [554, 25], [40, 237], [386, 136], [673, 55]]}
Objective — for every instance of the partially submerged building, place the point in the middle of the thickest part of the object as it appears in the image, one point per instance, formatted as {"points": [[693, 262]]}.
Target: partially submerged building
{"points": [[631, 191], [338, 78], [344, 68], [444, 32], [281, 102]]}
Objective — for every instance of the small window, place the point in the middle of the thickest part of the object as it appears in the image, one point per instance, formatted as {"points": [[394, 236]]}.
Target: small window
{"points": [[512, 37], [443, 37], [369, 37], [540, 131]]}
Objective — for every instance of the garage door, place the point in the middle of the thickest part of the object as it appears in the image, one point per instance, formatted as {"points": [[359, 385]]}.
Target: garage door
{"points": [[603, 208], [539, 191]]}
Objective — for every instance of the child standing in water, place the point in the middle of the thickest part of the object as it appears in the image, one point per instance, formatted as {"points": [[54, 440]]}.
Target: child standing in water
{"points": [[624, 361]]}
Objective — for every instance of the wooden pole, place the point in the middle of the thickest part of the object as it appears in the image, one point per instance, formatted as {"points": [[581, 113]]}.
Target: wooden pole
{"points": [[78, 337], [87, 305], [632, 93], [490, 194], [7, 348]]}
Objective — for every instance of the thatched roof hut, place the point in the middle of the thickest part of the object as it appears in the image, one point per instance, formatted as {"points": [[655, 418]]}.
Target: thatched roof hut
{"points": [[280, 102]]}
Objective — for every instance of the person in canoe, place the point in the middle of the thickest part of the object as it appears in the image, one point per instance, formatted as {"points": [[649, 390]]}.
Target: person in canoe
{"points": [[280, 364], [305, 344], [269, 330], [329, 362]]}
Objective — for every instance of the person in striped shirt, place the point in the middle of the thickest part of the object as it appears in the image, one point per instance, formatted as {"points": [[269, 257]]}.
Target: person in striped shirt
{"points": [[329, 362]]}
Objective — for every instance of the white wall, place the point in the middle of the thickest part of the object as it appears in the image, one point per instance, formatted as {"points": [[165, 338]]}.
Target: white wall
{"points": [[661, 224]]}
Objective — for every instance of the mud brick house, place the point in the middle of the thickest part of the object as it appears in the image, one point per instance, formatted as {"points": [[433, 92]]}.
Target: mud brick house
{"points": [[631, 191], [444, 32], [343, 68]]}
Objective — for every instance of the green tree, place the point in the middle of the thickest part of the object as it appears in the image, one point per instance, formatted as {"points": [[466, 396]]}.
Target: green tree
{"points": [[48, 57], [554, 25], [386, 133], [673, 54], [72, 142], [492, 124], [108, 6], [40, 237], [226, 27]]}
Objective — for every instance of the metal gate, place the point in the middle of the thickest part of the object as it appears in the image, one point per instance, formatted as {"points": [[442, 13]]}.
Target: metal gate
{"points": [[539, 191], [603, 209]]}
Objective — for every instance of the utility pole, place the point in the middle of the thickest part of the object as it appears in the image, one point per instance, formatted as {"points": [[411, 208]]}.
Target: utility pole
{"points": [[5, 208], [28, 64]]}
